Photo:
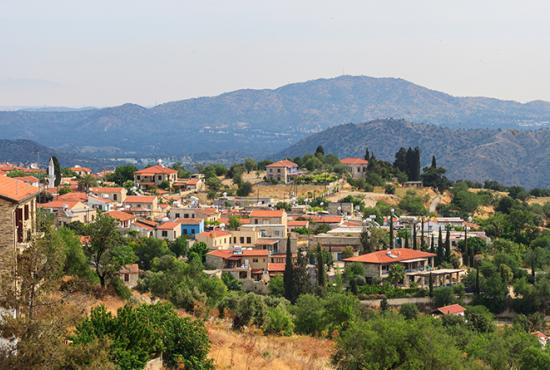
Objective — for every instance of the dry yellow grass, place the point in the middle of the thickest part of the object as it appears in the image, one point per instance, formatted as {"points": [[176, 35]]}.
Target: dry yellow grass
{"points": [[282, 191], [539, 200], [244, 351]]}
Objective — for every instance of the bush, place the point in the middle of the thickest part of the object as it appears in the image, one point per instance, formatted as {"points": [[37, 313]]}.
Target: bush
{"points": [[309, 313], [251, 309], [409, 311], [121, 290], [443, 296], [278, 321]]}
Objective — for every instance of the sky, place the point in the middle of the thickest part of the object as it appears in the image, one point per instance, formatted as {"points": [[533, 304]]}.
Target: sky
{"points": [[105, 53]]}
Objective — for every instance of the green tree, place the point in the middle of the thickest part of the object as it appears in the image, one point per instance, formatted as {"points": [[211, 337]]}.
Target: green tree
{"points": [[288, 276], [396, 273], [276, 286], [147, 249], [409, 311], [107, 249], [278, 321], [309, 312], [321, 273], [122, 174], [56, 171], [76, 262], [245, 188], [86, 182]]}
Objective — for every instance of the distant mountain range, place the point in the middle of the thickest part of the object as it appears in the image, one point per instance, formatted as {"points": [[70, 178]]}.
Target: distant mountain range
{"points": [[510, 156], [259, 122]]}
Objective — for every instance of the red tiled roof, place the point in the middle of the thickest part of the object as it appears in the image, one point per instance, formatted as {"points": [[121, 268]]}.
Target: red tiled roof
{"points": [[143, 225], [297, 223], [170, 225], [539, 334], [16, 190], [214, 233], [84, 239], [283, 163], [59, 204], [222, 253], [189, 221], [451, 309], [254, 253], [266, 241], [326, 219], [28, 179], [140, 199], [353, 161], [156, 170], [75, 196], [132, 268], [106, 190], [270, 213], [276, 267], [80, 168], [397, 255], [207, 211], [121, 216]]}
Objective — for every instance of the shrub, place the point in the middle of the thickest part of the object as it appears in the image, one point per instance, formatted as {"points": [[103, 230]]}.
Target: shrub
{"points": [[443, 296], [309, 313], [278, 321], [409, 311]]}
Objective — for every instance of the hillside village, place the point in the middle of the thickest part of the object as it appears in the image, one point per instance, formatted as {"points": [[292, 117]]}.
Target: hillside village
{"points": [[333, 248]]}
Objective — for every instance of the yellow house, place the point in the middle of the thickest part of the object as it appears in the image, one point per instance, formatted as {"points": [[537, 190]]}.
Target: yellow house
{"points": [[216, 239], [155, 176], [116, 194]]}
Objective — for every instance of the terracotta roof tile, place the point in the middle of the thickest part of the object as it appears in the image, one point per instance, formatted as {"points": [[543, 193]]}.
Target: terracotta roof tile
{"points": [[121, 216], [283, 163], [269, 213], [16, 190], [140, 199], [353, 161], [156, 170], [390, 256], [451, 309]]}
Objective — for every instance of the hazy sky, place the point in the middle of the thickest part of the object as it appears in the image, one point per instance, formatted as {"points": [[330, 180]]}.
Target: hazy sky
{"points": [[99, 52]]}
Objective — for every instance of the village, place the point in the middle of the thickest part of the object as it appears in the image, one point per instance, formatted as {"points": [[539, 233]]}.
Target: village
{"points": [[392, 244]]}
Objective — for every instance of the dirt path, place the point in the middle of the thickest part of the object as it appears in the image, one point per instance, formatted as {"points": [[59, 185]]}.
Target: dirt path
{"points": [[434, 203]]}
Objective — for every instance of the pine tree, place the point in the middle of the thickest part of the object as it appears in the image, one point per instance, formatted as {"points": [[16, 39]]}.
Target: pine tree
{"points": [[448, 245], [320, 268], [434, 164], [288, 276]]}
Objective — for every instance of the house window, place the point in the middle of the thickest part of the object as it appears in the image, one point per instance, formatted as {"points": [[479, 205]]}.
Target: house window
{"points": [[193, 231], [278, 170], [165, 233], [126, 277], [26, 211], [115, 197], [177, 215], [138, 177], [160, 177], [184, 231], [242, 239], [255, 260], [248, 240]]}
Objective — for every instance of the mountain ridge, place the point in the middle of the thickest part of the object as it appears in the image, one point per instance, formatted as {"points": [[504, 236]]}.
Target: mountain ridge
{"points": [[262, 121], [512, 157]]}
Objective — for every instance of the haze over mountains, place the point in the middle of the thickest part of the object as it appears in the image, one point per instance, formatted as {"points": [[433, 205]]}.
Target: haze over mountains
{"points": [[258, 122], [512, 157]]}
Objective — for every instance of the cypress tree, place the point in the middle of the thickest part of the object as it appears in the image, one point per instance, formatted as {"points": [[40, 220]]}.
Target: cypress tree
{"points": [[406, 239], [401, 160], [472, 254], [320, 151], [416, 167], [477, 281], [422, 241], [57, 171], [431, 284], [288, 276], [432, 246], [440, 248], [391, 229], [415, 244], [320, 267], [465, 258], [448, 245], [367, 154], [434, 164]]}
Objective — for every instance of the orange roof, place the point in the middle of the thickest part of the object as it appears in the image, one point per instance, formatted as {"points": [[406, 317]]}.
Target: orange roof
{"points": [[132, 268], [266, 241], [390, 256], [189, 221], [207, 211], [170, 225], [85, 239], [223, 253], [59, 204], [28, 179], [143, 225], [276, 267], [156, 170], [271, 213], [326, 219], [140, 199], [73, 197], [353, 161], [254, 252], [297, 223], [283, 163], [80, 168], [214, 233], [451, 309], [16, 190], [121, 216], [193, 181], [539, 334], [106, 190]]}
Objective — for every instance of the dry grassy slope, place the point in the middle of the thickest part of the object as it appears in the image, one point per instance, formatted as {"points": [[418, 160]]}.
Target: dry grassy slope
{"points": [[236, 350]]}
